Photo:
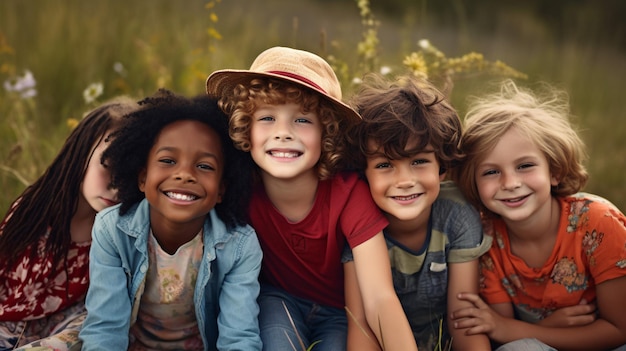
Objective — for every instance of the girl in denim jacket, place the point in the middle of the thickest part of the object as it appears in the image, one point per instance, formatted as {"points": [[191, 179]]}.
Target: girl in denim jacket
{"points": [[174, 266]]}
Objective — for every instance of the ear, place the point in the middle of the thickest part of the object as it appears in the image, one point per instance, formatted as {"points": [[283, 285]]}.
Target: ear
{"points": [[141, 180], [554, 181], [442, 174]]}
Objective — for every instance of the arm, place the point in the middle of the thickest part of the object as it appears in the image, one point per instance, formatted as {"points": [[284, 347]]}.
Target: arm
{"points": [[237, 322], [108, 305], [360, 336], [463, 277], [607, 332], [570, 316], [383, 311]]}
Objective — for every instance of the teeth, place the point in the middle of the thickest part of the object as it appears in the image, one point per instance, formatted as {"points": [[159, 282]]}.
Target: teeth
{"points": [[184, 197], [405, 198], [515, 200], [284, 154]]}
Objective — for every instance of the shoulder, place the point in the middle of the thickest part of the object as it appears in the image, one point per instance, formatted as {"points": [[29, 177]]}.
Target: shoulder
{"points": [[108, 217], [134, 222], [111, 212], [345, 180], [452, 204], [240, 236], [345, 184], [587, 199], [590, 207], [586, 212], [453, 216]]}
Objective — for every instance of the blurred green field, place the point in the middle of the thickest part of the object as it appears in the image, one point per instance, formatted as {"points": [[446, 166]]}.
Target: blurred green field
{"points": [[135, 47]]}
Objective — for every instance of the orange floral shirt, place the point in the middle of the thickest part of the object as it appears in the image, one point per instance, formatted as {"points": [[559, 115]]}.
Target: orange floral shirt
{"points": [[590, 248]]}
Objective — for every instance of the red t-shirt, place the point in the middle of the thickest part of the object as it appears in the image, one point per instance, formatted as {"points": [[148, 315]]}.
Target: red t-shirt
{"points": [[590, 248], [304, 258]]}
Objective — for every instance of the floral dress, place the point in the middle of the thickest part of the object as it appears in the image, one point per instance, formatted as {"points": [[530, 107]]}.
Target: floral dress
{"points": [[34, 304]]}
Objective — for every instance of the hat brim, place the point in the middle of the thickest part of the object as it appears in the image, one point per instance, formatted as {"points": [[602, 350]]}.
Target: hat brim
{"points": [[223, 82]]}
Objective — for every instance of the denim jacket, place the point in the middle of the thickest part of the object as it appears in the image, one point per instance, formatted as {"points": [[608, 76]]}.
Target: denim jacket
{"points": [[225, 294]]}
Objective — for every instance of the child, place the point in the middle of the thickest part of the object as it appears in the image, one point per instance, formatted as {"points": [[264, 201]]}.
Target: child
{"points": [[46, 235], [556, 255], [286, 110], [174, 267], [405, 145]]}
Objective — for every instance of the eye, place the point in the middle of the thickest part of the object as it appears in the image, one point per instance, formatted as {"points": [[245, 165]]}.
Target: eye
{"points": [[303, 120], [265, 118], [419, 161], [383, 165], [525, 166], [206, 167], [167, 161], [489, 172]]}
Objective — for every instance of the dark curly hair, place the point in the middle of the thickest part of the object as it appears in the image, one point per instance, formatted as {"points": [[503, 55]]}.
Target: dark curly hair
{"points": [[397, 113], [128, 153]]}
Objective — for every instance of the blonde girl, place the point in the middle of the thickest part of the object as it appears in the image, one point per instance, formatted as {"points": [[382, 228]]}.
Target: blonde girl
{"points": [[555, 275]]}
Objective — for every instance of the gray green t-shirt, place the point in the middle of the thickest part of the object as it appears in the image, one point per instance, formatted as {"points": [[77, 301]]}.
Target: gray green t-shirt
{"points": [[420, 278]]}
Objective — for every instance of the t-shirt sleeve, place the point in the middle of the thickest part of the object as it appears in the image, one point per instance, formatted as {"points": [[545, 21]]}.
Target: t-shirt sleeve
{"points": [[360, 219], [604, 242], [467, 241], [460, 222]]}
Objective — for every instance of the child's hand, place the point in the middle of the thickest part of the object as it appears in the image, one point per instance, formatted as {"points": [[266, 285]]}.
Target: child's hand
{"points": [[479, 319], [578, 315]]}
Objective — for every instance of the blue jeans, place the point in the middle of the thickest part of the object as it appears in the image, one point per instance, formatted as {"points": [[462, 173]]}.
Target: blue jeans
{"points": [[525, 345], [535, 345], [314, 323]]}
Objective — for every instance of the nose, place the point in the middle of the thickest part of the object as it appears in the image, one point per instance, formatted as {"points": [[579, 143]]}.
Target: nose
{"points": [[185, 174], [404, 177], [510, 181], [282, 131]]}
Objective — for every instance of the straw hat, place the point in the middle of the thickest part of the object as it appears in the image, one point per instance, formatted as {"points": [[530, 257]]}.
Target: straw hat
{"points": [[296, 66]]}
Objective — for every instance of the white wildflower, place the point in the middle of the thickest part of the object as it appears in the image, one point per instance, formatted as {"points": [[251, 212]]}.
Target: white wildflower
{"points": [[92, 92], [22, 85], [385, 70], [119, 68], [424, 44]]}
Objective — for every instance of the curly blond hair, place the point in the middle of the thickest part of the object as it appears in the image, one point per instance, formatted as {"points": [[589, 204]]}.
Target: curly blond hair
{"points": [[247, 96], [544, 119]]}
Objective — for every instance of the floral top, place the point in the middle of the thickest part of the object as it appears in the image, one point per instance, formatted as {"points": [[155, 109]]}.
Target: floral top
{"points": [[590, 248], [29, 292], [166, 318]]}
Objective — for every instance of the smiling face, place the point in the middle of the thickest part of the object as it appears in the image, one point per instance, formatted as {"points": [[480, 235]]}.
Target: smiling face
{"points": [[404, 189], [514, 179], [182, 180], [95, 188], [285, 143]]}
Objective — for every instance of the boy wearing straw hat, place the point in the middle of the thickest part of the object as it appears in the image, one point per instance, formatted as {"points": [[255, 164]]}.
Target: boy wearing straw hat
{"points": [[286, 110]]}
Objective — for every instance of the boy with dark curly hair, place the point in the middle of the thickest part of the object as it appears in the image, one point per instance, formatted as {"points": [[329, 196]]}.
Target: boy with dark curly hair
{"points": [[405, 146]]}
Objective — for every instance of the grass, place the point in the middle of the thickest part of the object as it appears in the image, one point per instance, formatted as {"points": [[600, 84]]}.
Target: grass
{"points": [[70, 44]]}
